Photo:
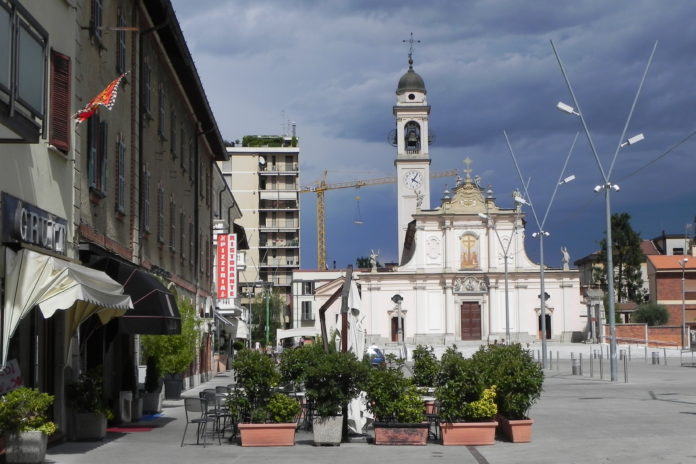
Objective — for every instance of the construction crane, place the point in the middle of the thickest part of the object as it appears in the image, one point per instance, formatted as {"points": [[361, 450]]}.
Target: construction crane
{"points": [[321, 186]]}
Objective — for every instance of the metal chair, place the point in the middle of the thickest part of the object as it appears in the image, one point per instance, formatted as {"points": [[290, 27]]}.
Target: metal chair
{"points": [[196, 410], [218, 410]]}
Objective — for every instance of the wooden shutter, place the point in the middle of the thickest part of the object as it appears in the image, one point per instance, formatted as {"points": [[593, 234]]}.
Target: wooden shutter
{"points": [[102, 155], [59, 126], [92, 137]]}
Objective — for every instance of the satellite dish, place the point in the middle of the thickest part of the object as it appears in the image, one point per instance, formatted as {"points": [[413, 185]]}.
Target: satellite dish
{"points": [[262, 160]]}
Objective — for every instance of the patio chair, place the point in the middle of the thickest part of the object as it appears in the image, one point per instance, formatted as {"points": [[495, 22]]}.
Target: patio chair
{"points": [[196, 410]]}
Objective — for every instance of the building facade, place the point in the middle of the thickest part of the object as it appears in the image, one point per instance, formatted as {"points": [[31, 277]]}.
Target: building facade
{"points": [[263, 175]]}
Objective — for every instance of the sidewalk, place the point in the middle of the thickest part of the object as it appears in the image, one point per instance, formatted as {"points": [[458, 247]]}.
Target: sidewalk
{"points": [[578, 420]]}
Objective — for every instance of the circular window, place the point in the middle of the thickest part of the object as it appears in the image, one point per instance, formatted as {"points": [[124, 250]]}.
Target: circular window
{"points": [[411, 96]]}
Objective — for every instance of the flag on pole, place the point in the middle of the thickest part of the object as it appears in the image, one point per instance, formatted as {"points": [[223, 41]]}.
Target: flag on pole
{"points": [[106, 97]]}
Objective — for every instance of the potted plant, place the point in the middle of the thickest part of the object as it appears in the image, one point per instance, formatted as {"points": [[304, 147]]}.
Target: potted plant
{"points": [[331, 380], [24, 424], [425, 370], [396, 405], [467, 407], [90, 412], [266, 417], [175, 353], [519, 380], [152, 398]]}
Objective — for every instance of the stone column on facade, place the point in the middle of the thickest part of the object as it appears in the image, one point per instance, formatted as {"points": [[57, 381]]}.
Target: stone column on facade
{"points": [[449, 315]]}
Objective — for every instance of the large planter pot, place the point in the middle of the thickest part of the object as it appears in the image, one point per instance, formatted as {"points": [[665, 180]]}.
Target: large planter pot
{"points": [[152, 401], [267, 434], [173, 385], [90, 426], [327, 430], [517, 431], [401, 434], [26, 447], [468, 433]]}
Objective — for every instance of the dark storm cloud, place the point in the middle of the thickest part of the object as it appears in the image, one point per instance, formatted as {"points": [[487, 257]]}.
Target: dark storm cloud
{"points": [[333, 67]]}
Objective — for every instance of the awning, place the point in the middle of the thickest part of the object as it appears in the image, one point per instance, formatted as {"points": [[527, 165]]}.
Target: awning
{"points": [[52, 284], [297, 332], [154, 307]]}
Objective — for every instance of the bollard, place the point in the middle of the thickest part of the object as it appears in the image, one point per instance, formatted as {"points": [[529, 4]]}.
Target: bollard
{"points": [[625, 370], [622, 355], [591, 367], [558, 357], [629, 352], [664, 351], [575, 366], [601, 368], [655, 357], [580, 362], [646, 353]]}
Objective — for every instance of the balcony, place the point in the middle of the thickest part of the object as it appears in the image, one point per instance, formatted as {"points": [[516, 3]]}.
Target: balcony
{"points": [[280, 243], [280, 169], [285, 262], [278, 205], [278, 224]]}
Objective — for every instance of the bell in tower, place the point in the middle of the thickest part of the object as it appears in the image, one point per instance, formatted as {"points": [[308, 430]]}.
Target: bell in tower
{"points": [[412, 136]]}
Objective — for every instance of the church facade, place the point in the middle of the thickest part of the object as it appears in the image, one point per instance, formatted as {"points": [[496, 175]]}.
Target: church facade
{"points": [[464, 273]]}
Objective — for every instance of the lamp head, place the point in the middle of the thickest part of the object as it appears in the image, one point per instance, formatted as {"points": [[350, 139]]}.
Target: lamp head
{"points": [[615, 187], [397, 298], [598, 188], [570, 178], [635, 139], [566, 108], [483, 216]]}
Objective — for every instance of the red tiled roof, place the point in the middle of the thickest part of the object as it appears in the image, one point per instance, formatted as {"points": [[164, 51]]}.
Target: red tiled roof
{"points": [[648, 248], [667, 262]]}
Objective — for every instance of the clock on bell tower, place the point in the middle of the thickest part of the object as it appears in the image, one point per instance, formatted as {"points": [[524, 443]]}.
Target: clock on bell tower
{"points": [[411, 140]]}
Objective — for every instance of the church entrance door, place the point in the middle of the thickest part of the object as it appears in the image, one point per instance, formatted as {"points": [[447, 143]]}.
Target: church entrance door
{"points": [[548, 326], [395, 329], [471, 320]]}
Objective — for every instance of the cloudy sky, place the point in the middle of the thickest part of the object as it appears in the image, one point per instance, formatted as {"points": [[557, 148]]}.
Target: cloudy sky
{"points": [[332, 68]]}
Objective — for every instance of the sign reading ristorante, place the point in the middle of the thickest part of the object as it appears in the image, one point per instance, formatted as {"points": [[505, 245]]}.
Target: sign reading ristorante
{"points": [[24, 222]]}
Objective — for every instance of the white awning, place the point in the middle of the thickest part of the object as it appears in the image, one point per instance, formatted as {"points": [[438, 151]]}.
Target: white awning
{"points": [[52, 284], [297, 332], [242, 330]]}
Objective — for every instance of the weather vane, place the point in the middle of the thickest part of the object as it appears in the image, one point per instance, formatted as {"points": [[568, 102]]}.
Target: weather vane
{"points": [[410, 42]]}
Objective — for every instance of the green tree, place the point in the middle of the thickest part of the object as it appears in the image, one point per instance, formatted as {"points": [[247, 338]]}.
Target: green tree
{"points": [[651, 314], [174, 353], [276, 310], [627, 257]]}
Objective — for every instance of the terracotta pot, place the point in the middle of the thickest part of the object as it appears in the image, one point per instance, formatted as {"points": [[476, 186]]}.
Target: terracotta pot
{"points": [[401, 434], [267, 434], [517, 431], [429, 406], [468, 433]]}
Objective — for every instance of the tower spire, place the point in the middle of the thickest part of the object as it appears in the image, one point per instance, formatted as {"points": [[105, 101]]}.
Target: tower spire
{"points": [[410, 42]]}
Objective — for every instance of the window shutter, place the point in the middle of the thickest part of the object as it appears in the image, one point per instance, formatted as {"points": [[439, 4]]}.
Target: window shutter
{"points": [[92, 133], [103, 155], [59, 133]]}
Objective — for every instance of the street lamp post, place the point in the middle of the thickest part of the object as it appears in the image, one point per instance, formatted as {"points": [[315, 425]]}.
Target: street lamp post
{"points": [[506, 249], [607, 186], [682, 264], [541, 233]]}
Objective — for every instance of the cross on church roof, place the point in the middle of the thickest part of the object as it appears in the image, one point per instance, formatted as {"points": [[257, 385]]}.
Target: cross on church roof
{"points": [[410, 42], [467, 170]]}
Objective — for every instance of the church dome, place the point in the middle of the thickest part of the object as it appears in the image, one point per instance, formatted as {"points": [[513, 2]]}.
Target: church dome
{"points": [[411, 81]]}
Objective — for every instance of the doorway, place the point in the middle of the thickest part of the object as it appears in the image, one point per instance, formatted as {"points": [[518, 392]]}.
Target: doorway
{"points": [[470, 320], [395, 329], [548, 326]]}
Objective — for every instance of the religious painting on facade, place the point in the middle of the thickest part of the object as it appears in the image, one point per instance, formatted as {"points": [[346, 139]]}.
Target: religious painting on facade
{"points": [[469, 251]]}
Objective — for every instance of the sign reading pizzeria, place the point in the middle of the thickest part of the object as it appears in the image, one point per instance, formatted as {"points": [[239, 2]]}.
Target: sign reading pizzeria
{"points": [[227, 266]]}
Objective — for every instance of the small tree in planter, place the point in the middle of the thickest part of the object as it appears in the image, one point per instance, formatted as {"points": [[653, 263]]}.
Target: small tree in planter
{"points": [[152, 399], [425, 370], [332, 380], [24, 424], [86, 397], [257, 407], [466, 403], [175, 353], [397, 406], [519, 380]]}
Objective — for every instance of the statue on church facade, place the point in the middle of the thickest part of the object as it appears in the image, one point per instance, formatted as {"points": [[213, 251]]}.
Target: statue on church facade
{"points": [[566, 259]]}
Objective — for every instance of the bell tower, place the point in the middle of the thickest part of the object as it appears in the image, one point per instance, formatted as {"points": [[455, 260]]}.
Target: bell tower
{"points": [[411, 140]]}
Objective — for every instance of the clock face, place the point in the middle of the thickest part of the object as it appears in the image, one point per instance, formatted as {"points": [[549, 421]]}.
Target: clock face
{"points": [[413, 180]]}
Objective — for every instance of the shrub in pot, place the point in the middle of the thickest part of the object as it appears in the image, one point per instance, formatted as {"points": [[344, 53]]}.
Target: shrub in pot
{"points": [[519, 380], [425, 366], [266, 417], [396, 405], [175, 353], [331, 380], [466, 403], [86, 397], [25, 425], [152, 399]]}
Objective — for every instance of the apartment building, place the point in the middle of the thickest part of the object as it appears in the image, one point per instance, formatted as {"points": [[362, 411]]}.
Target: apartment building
{"points": [[264, 177]]}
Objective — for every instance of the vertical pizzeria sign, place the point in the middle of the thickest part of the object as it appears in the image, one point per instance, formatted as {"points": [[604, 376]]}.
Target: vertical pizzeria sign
{"points": [[227, 266]]}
